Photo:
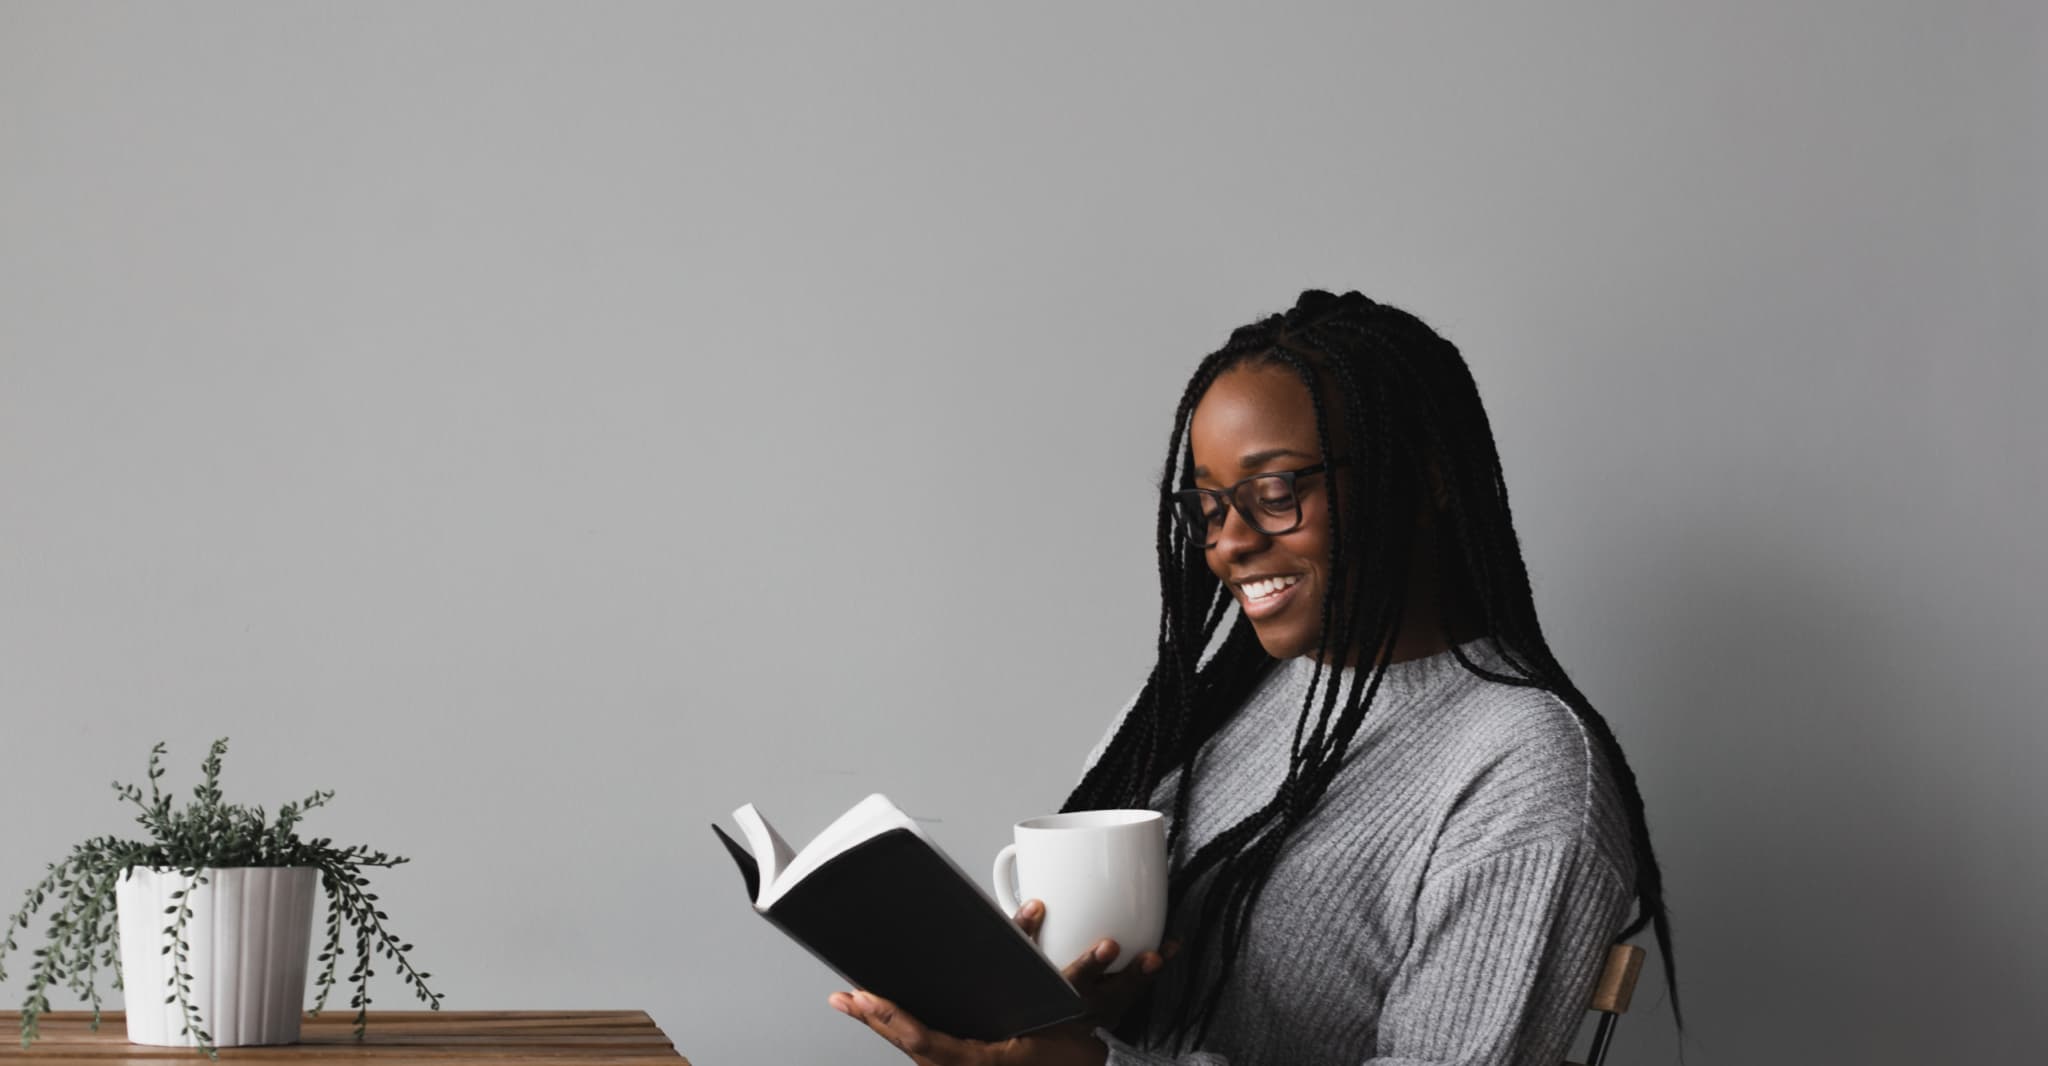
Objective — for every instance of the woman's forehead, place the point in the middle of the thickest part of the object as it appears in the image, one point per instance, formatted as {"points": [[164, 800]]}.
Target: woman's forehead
{"points": [[1250, 417]]}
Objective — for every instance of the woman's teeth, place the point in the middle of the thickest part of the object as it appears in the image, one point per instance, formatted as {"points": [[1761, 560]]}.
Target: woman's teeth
{"points": [[1259, 590]]}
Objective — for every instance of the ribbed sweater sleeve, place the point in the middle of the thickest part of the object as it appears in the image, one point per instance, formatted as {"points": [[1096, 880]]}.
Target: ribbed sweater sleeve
{"points": [[1505, 955], [1450, 901]]}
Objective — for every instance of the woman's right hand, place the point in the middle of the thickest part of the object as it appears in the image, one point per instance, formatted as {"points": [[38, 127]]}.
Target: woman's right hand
{"points": [[1107, 995]]}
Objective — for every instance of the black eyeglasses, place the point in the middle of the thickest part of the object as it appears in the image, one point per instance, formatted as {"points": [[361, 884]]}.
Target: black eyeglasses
{"points": [[1272, 507]]}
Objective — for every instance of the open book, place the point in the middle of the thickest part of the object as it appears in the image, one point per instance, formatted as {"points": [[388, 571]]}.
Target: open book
{"points": [[876, 900]]}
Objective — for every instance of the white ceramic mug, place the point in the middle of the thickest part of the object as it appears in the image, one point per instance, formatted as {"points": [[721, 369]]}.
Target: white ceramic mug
{"points": [[1099, 874]]}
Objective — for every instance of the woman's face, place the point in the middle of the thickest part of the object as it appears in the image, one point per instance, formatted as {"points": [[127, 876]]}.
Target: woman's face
{"points": [[1259, 419]]}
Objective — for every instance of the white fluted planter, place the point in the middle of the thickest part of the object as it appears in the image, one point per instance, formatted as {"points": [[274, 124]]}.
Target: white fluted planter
{"points": [[250, 935]]}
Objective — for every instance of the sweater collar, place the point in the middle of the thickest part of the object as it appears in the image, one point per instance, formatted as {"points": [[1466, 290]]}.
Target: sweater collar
{"points": [[1428, 676]]}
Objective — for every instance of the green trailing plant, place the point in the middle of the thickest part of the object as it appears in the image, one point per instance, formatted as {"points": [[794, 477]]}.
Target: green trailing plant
{"points": [[83, 937]]}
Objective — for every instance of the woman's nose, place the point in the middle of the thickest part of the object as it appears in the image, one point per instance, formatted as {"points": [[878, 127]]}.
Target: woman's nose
{"points": [[1238, 535]]}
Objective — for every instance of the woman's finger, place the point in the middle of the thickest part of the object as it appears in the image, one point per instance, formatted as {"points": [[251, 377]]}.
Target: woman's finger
{"points": [[1110, 994], [1086, 970], [906, 1033], [1093, 965], [1031, 918], [1151, 962], [1143, 967]]}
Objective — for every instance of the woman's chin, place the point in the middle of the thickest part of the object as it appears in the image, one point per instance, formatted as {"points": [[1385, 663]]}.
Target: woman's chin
{"points": [[1282, 643]]}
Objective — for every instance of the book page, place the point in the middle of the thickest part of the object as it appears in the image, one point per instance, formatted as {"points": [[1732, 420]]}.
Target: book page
{"points": [[771, 852], [869, 818]]}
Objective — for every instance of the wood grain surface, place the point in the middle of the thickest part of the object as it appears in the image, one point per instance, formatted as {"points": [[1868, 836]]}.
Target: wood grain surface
{"points": [[441, 1038], [1618, 981]]}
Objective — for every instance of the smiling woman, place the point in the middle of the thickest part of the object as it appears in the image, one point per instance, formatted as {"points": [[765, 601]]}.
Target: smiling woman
{"points": [[1437, 881]]}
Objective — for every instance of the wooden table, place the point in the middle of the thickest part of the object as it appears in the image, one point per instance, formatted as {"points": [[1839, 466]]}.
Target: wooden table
{"points": [[395, 1038]]}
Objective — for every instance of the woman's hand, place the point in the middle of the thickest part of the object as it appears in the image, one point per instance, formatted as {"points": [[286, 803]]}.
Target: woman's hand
{"points": [[1108, 995], [1067, 1044]]}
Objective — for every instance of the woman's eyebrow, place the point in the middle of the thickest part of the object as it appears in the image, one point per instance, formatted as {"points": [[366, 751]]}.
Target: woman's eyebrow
{"points": [[1255, 459]]}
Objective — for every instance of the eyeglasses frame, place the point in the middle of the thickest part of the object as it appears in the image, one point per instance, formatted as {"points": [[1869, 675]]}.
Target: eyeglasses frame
{"points": [[1231, 501]]}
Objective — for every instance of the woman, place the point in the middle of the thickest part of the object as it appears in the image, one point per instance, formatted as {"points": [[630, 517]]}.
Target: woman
{"points": [[1437, 880]]}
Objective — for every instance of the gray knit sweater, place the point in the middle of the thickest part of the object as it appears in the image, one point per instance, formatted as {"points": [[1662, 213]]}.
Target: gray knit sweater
{"points": [[1450, 900]]}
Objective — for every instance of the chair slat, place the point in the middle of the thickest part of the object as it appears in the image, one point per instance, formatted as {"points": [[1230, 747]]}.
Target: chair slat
{"points": [[1618, 980]]}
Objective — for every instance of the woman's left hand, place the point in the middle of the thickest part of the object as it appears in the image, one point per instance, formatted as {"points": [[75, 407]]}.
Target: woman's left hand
{"points": [[1067, 1044]]}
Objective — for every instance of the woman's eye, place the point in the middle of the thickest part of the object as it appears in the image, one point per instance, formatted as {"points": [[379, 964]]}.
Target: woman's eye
{"points": [[1277, 504]]}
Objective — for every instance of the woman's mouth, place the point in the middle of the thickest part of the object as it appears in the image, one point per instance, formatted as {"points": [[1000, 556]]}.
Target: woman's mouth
{"points": [[1267, 596]]}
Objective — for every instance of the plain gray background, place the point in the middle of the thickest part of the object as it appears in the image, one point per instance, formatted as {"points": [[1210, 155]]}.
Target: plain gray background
{"points": [[554, 426]]}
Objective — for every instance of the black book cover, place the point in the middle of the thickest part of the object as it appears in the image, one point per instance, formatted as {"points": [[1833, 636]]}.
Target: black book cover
{"points": [[892, 916]]}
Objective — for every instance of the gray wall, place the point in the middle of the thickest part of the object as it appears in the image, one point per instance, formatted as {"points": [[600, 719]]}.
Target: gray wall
{"points": [[553, 426]]}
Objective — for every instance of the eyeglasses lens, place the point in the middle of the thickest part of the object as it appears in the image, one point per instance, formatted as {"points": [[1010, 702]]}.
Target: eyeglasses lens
{"points": [[1267, 499]]}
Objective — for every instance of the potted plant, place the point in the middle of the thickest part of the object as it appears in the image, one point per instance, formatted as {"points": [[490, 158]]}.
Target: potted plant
{"points": [[215, 868]]}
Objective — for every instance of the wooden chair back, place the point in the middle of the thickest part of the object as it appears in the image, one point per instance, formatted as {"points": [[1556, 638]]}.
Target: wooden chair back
{"points": [[1611, 995]]}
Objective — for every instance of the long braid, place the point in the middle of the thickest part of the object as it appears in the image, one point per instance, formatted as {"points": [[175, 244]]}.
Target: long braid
{"points": [[1494, 559], [1312, 767], [1500, 560], [1245, 869], [1152, 734], [1408, 400]]}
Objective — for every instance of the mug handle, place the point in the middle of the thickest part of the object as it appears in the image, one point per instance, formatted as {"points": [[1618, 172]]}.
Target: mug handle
{"points": [[1005, 877]]}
